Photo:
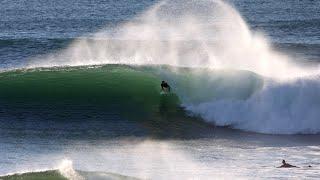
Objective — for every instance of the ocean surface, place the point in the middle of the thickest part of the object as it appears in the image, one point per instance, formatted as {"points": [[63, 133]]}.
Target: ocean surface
{"points": [[80, 94]]}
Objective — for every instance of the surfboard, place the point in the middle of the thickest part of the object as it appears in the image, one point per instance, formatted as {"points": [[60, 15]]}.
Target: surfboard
{"points": [[163, 92]]}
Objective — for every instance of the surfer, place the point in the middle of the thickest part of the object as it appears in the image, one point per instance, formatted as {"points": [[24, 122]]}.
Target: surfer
{"points": [[286, 165], [165, 86]]}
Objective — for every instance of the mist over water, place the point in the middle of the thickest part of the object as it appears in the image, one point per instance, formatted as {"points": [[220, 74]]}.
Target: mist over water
{"points": [[203, 159], [208, 34], [103, 117], [180, 33]]}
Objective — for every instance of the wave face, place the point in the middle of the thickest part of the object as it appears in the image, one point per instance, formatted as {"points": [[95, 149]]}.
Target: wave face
{"points": [[65, 171], [118, 96], [79, 84], [238, 99], [54, 174], [125, 85], [264, 92], [36, 175]]}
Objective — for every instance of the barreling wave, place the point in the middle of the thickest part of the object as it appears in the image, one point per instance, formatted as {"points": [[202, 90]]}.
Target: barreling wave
{"points": [[264, 92], [125, 84], [132, 92], [78, 84], [238, 99]]}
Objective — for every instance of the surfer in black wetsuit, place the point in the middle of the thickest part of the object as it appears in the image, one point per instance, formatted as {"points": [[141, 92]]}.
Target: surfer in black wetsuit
{"points": [[286, 165], [165, 86]]}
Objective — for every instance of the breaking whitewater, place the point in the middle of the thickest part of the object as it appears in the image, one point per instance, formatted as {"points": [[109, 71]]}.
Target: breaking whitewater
{"points": [[94, 110], [219, 69]]}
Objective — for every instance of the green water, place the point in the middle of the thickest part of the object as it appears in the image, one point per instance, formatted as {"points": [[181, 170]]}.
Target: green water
{"points": [[47, 175], [125, 84], [55, 175], [120, 93]]}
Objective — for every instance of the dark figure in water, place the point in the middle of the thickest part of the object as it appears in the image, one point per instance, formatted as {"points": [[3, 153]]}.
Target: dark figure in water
{"points": [[165, 86], [286, 165]]}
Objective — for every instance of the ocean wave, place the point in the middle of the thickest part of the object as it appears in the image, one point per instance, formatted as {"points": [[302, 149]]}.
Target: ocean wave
{"points": [[279, 108], [263, 92]]}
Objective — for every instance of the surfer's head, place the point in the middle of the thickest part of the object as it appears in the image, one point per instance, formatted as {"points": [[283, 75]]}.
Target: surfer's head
{"points": [[283, 161]]}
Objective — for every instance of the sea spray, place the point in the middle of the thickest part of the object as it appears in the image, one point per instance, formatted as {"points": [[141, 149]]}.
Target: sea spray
{"points": [[180, 33], [152, 159], [66, 169], [211, 34], [279, 108]]}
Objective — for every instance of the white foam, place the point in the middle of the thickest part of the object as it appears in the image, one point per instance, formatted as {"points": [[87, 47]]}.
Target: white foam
{"points": [[205, 33], [279, 108], [66, 169], [212, 34]]}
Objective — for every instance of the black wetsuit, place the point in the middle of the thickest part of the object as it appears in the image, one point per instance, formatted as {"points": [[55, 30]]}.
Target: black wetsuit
{"points": [[165, 85], [286, 165]]}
